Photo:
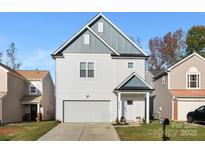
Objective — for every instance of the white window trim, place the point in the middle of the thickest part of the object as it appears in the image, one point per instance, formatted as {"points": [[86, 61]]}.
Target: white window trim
{"points": [[87, 78], [86, 39], [100, 27], [133, 65], [30, 90], [187, 82]]}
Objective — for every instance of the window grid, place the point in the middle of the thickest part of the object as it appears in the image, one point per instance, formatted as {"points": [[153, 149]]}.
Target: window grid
{"points": [[86, 69], [193, 81]]}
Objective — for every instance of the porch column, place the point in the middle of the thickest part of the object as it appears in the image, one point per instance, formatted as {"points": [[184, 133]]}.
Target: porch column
{"points": [[147, 107], [38, 108], [119, 106]]}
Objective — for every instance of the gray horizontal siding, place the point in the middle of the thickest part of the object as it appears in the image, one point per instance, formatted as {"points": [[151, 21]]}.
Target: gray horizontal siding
{"points": [[95, 46], [115, 39]]}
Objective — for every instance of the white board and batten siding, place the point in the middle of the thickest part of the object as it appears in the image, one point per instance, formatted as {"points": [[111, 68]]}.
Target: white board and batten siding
{"points": [[87, 111], [186, 106]]}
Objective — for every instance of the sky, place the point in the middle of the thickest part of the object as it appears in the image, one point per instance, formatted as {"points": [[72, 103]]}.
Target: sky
{"points": [[38, 35]]}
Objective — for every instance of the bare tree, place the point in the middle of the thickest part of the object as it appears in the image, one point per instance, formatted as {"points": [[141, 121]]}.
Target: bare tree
{"points": [[11, 57], [137, 40], [166, 51]]}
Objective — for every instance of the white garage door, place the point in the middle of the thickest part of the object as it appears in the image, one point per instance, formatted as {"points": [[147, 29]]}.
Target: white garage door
{"points": [[87, 111], [186, 106]]}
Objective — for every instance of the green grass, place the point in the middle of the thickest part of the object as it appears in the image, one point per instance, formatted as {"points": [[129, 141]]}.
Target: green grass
{"points": [[176, 131], [29, 131]]}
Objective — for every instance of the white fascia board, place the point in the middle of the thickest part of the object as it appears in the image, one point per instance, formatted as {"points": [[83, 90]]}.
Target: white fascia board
{"points": [[67, 42], [188, 57], [125, 80], [143, 80], [133, 43], [105, 43], [134, 73]]}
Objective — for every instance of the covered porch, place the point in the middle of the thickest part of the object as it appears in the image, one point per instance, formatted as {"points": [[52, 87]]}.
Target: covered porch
{"points": [[133, 96], [33, 110]]}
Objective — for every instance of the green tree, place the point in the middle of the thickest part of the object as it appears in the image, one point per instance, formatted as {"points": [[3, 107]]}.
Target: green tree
{"points": [[195, 40], [11, 57]]}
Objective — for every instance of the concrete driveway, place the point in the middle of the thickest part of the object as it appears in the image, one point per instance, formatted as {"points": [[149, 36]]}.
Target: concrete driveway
{"points": [[82, 132]]}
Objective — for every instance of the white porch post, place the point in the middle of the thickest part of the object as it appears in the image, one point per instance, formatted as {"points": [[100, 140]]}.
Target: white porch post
{"points": [[119, 106], [38, 107], [147, 107]]}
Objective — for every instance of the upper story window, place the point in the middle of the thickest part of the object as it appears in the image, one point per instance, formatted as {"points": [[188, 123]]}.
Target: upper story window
{"points": [[193, 78], [90, 69], [100, 27], [86, 69], [86, 39], [83, 69], [130, 65], [33, 89]]}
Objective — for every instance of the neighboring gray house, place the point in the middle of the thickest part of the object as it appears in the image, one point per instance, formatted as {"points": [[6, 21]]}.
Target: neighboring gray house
{"points": [[100, 76], [180, 88], [23, 94], [149, 78]]}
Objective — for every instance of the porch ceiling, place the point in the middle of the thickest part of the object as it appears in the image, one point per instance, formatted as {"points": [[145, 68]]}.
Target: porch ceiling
{"points": [[31, 99]]}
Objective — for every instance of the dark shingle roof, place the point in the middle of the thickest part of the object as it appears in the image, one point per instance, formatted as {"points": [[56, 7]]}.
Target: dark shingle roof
{"points": [[155, 71]]}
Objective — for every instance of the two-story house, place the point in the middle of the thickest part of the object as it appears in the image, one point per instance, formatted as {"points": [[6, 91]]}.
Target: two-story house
{"points": [[180, 88], [25, 94], [100, 76]]}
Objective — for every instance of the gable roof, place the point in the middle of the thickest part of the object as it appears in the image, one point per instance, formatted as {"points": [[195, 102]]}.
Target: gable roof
{"points": [[134, 82], [7, 68], [178, 63], [33, 75], [185, 59], [59, 51]]}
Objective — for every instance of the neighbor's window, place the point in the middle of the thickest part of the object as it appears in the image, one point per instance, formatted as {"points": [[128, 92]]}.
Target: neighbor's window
{"points": [[90, 69], [86, 69], [129, 102], [86, 39], [33, 90], [193, 81], [193, 78], [130, 65], [83, 69], [100, 27]]}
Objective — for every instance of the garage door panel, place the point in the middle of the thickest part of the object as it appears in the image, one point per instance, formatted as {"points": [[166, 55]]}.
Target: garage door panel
{"points": [[186, 106], [87, 111]]}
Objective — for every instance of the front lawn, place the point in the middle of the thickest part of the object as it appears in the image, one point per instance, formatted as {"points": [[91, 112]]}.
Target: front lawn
{"points": [[29, 131], [176, 131]]}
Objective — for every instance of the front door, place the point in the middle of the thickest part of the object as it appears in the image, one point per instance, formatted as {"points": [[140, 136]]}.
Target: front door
{"points": [[33, 112], [129, 110]]}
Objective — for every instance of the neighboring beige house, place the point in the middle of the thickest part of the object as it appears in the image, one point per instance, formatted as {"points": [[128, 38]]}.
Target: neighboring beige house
{"points": [[23, 94], [180, 88]]}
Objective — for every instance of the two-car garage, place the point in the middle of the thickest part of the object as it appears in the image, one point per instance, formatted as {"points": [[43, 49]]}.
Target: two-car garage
{"points": [[87, 111]]}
